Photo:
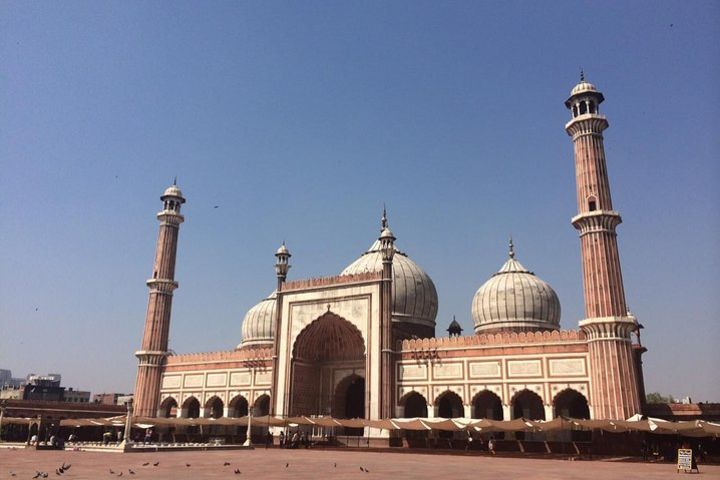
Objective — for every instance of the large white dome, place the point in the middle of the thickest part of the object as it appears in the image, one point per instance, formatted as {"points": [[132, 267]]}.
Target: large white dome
{"points": [[514, 299], [414, 298], [258, 327]]}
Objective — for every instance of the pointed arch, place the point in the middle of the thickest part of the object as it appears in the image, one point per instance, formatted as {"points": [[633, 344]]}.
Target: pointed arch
{"points": [[487, 404], [214, 407], [191, 407], [571, 403], [449, 405], [527, 404], [238, 406], [168, 408], [261, 407], [415, 405]]}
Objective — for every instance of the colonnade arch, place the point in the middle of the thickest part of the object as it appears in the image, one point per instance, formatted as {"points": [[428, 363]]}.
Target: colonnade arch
{"points": [[214, 407], [571, 403], [487, 404], [527, 404], [191, 408], [168, 408]]}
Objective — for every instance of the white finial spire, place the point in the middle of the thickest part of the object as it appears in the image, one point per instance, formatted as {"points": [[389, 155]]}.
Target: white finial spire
{"points": [[511, 252]]}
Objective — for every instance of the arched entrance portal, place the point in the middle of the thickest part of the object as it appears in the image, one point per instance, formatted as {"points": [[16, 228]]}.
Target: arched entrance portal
{"points": [[328, 369], [415, 406]]}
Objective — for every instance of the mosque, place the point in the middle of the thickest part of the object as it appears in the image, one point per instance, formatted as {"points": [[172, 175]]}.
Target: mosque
{"points": [[363, 344]]}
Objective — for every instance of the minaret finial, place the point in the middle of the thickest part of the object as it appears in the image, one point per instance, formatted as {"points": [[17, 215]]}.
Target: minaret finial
{"points": [[175, 181], [512, 248], [383, 220], [582, 74]]}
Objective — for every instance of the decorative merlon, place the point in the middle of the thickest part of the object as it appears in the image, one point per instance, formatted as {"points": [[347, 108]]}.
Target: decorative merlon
{"points": [[303, 284]]}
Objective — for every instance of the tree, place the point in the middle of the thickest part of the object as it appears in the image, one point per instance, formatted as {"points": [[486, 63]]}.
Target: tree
{"points": [[656, 397]]}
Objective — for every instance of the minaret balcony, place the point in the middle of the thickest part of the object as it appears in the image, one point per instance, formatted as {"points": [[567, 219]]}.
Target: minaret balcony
{"points": [[586, 124], [597, 221]]}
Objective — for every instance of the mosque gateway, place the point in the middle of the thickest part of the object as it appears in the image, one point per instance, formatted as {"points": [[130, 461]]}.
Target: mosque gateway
{"points": [[362, 344]]}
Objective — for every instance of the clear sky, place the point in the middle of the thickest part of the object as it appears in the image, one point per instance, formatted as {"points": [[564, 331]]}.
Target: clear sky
{"points": [[299, 119]]}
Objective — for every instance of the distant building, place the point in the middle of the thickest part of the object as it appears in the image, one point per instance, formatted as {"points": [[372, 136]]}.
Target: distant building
{"points": [[45, 388], [76, 396], [7, 380], [124, 399], [11, 393], [108, 398]]}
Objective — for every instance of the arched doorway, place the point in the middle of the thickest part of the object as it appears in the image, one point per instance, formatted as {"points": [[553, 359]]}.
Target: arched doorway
{"points": [[349, 401], [571, 403], [191, 408], [488, 405], [327, 345], [238, 407], [414, 406], [168, 408], [528, 405], [214, 407], [449, 405]]}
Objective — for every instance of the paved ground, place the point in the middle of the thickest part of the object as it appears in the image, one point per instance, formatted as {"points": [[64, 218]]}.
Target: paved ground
{"points": [[318, 464]]}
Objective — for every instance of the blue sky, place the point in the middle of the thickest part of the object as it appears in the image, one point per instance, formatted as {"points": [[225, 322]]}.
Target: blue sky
{"points": [[299, 119]]}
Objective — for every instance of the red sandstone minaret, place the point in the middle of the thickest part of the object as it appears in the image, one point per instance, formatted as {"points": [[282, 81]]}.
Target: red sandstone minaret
{"points": [[152, 355], [614, 392]]}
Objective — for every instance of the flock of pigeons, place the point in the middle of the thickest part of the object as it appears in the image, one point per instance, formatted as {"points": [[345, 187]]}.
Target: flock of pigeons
{"points": [[64, 468]]}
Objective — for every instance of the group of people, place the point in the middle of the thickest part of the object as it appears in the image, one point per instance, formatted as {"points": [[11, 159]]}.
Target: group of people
{"points": [[481, 443], [296, 440]]}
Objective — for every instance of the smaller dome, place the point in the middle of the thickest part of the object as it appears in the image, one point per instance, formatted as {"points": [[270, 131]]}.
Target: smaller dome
{"points": [[172, 191], [514, 299], [282, 250], [583, 87], [258, 327]]}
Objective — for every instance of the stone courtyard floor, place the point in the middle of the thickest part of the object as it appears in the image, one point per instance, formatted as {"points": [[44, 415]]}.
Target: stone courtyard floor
{"points": [[321, 464]]}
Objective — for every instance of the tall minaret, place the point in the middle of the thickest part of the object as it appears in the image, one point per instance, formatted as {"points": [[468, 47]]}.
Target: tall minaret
{"points": [[387, 366], [614, 389], [151, 356]]}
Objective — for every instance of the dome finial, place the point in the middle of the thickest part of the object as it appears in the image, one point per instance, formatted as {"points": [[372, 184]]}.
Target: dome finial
{"points": [[175, 181], [511, 246], [582, 74], [383, 220]]}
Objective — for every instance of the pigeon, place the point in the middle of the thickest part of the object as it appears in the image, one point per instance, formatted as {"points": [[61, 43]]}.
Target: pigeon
{"points": [[226, 464], [187, 464], [156, 463], [335, 465], [287, 465], [44, 475], [216, 206], [37, 474], [237, 471], [130, 471], [367, 471], [111, 472], [12, 474], [362, 469], [120, 474], [146, 464]]}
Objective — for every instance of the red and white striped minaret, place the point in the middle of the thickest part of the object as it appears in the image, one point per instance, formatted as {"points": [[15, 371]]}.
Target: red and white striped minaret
{"points": [[614, 392], [151, 356]]}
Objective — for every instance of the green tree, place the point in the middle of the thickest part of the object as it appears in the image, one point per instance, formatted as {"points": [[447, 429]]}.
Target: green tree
{"points": [[656, 397]]}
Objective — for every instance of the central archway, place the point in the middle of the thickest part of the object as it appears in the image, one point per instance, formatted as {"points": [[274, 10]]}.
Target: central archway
{"points": [[328, 368]]}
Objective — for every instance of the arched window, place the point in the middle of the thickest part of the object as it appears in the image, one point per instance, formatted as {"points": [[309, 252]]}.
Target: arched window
{"points": [[592, 204], [191, 408], [583, 108]]}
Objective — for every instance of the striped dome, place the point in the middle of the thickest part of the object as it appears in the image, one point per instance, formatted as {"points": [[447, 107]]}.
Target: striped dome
{"points": [[258, 327], [414, 298], [514, 299]]}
